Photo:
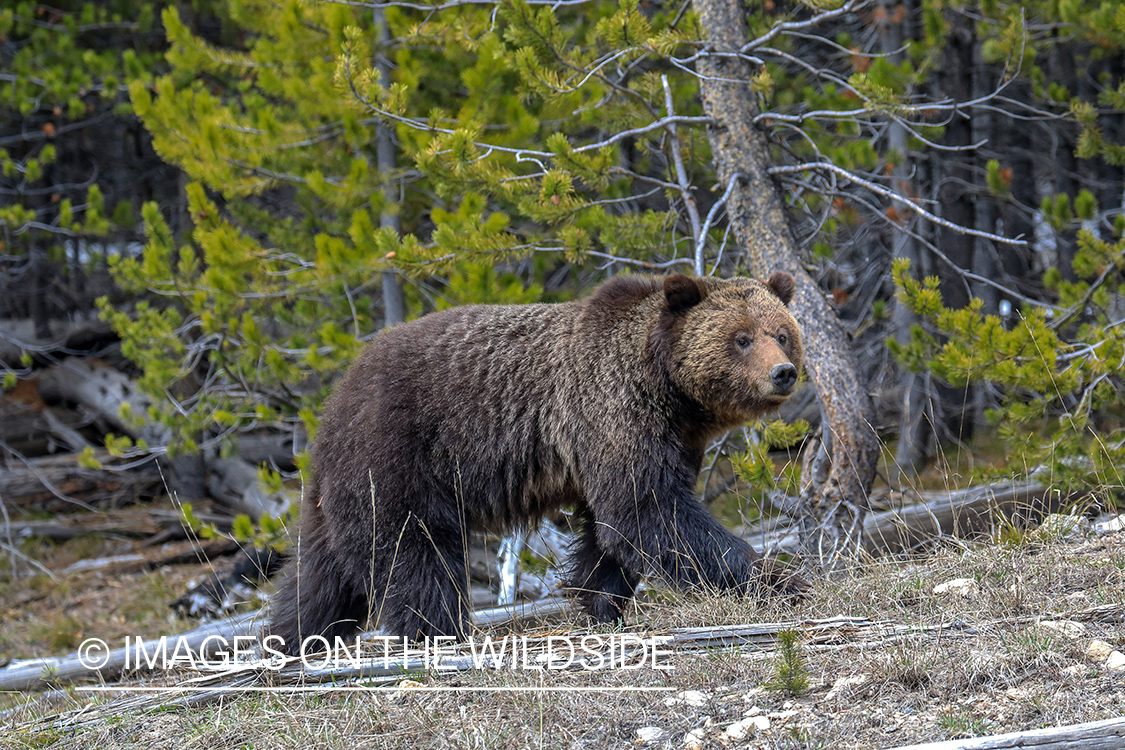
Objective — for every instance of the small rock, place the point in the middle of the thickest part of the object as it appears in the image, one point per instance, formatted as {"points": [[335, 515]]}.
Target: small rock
{"points": [[740, 730], [1076, 671], [693, 740], [965, 587], [844, 683], [1115, 662], [1066, 628], [782, 715], [648, 735], [1111, 526], [982, 661], [692, 698], [1098, 650], [402, 688], [755, 711], [1058, 527]]}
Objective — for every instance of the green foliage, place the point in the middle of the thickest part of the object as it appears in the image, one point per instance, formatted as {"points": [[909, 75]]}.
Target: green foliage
{"points": [[755, 466], [267, 532], [1059, 369], [790, 673]]}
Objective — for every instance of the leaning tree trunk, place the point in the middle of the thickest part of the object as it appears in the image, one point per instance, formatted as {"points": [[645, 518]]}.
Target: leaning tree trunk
{"points": [[839, 466]]}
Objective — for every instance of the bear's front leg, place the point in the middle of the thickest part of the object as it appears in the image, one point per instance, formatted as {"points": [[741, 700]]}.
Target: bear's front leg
{"points": [[653, 526], [595, 578]]}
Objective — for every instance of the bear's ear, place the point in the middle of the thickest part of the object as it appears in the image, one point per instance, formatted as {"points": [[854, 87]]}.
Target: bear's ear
{"points": [[782, 284], [682, 292]]}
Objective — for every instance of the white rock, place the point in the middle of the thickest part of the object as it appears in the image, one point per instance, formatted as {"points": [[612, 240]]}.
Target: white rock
{"points": [[844, 683], [1110, 526], [965, 587], [693, 740], [1062, 528], [647, 735], [740, 730], [1115, 662], [1099, 650], [1066, 628], [693, 698], [1077, 671], [755, 711]]}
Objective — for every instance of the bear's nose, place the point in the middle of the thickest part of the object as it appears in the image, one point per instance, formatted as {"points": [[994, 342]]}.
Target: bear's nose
{"points": [[784, 377]]}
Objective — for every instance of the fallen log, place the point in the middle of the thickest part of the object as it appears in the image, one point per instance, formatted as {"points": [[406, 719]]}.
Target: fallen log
{"points": [[119, 401], [106, 392], [959, 513], [1108, 734], [956, 513], [234, 483], [39, 674], [17, 337], [56, 483], [61, 532], [136, 562]]}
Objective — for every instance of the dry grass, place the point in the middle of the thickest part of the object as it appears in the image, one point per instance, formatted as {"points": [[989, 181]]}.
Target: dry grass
{"points": [[997, 671]]}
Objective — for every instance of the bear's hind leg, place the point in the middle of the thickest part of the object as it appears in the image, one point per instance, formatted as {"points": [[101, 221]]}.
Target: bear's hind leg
{"points": [[602, 586], [316, 598], [426, 594]]}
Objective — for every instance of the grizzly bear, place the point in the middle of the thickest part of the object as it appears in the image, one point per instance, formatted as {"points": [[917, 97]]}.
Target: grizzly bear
{"points": [[488, 417]]}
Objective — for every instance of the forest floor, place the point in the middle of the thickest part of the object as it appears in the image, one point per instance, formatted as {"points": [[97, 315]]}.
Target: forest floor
{"points": [[1017, 651]]}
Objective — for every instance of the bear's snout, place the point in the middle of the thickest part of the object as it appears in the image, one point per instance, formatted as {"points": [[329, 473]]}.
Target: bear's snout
{"points": [[784, 377]]}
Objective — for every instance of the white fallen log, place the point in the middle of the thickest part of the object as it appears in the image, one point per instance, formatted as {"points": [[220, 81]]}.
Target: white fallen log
{"points": [[957, 513], [38, 674], [69, 336], [106, 392], [234, 483], [119, 401], [1108, 734]]}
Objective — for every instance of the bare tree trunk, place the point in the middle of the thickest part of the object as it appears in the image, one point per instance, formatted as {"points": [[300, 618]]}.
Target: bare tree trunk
{"points": [[840, 465], [394, 301], [916, 429]]}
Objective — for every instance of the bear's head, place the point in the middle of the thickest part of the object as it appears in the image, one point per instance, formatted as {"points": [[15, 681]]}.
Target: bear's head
{"points": [[732, 344]]}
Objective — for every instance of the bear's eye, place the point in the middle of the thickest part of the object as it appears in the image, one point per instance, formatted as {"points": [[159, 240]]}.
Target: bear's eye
{"points": [[782, 339], [743, 340]]}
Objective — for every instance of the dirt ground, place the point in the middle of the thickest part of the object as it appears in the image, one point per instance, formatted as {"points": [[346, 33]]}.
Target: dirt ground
{"points": [[995, 667]]}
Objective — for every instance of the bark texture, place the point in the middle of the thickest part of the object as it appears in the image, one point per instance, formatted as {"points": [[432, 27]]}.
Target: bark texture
{"points": [[840, 464]]}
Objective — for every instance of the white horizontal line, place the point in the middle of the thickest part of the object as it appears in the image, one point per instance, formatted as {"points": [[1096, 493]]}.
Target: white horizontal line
{"points": [[366, 689]]}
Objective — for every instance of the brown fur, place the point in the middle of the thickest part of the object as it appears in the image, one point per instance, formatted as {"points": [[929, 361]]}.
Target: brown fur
{"points": [[490, 416]]}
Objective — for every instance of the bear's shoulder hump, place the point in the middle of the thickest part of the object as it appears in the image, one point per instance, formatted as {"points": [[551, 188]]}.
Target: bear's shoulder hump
{"points": [[624, 291]]}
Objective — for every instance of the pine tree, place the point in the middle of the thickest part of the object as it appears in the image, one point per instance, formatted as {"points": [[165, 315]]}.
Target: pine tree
{"points": [[72, 156]]}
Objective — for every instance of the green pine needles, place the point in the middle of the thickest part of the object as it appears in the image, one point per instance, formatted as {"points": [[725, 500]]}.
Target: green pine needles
{"points": [[1059, 367]]}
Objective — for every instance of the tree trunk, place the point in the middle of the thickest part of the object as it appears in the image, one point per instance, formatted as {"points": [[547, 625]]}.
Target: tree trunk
{"points": [[840, 465], [394, 301], [916, 426]]}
